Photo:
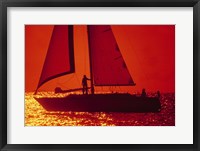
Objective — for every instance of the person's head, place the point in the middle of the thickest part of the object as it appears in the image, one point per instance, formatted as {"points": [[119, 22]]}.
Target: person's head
{"points": [[143, 90], [84, 76]]}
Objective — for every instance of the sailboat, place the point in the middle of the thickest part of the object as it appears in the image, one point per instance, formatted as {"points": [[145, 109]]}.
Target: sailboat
{"points": [[107, 68]]}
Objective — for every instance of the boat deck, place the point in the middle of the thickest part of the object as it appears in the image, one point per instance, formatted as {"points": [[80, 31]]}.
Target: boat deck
{"points": [[102, 103]]}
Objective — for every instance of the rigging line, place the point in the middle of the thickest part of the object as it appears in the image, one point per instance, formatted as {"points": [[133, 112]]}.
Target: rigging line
{"points": [[86, 47], [66, 81]]}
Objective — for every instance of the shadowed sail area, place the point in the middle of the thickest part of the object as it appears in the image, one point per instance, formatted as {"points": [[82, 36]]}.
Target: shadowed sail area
{"points": [[60, 58], [108, 65]]}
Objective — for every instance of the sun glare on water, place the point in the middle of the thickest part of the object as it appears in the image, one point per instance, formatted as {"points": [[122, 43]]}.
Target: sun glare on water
{"points": [[36, 115]]}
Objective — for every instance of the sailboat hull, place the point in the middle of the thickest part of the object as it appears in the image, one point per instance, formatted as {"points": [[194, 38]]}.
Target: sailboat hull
{"points": [[101, 103]]}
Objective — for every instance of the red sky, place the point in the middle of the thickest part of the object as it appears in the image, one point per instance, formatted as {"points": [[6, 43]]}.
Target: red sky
{"points": [[148, 50]]}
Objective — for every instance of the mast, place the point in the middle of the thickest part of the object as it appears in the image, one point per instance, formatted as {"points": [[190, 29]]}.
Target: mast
{"points": [[90, 61]]}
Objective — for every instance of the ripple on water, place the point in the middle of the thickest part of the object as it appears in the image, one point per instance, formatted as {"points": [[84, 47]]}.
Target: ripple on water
{"points": [[35, 115]]}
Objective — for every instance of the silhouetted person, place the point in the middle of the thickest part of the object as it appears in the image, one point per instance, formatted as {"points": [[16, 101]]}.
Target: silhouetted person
{"points": [[158, 94], [84, 84], [143, 93]]}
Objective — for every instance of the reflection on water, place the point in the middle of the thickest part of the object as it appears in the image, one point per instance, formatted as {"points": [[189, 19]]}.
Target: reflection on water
{"points": [[35, 115]]}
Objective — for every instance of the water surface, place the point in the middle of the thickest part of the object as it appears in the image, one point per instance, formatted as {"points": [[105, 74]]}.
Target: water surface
{"points": [[35, 115]]}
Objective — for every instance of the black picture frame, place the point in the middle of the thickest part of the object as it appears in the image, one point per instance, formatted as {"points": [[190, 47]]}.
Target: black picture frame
{"points": [[4, 4]]}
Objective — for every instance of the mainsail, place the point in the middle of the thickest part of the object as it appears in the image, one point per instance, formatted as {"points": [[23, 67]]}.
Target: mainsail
{"points": [[60, 55], [107, 63]]}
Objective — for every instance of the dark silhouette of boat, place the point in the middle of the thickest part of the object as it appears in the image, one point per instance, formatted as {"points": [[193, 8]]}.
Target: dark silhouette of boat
{"points": [[101, 103], [107, 68]]}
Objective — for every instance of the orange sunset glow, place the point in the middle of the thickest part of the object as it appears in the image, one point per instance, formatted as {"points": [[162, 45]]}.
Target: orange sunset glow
{"points": [[148, 51]]}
